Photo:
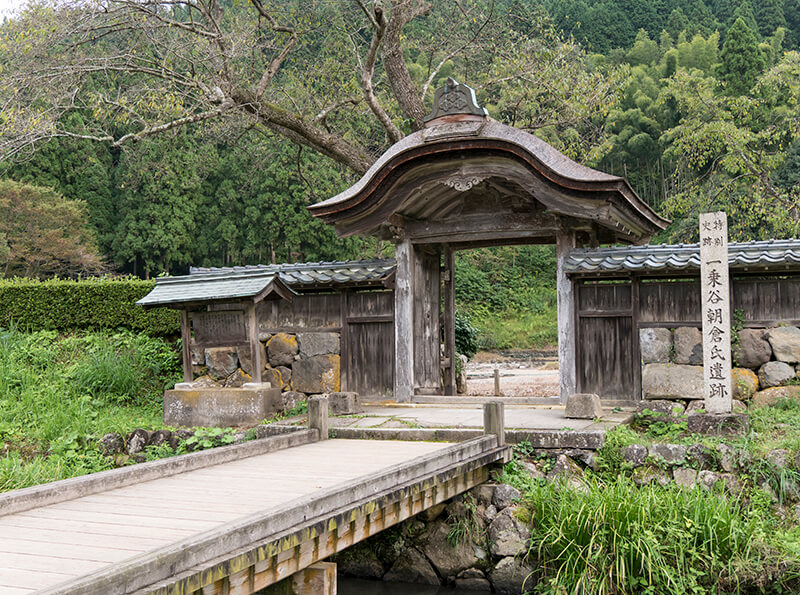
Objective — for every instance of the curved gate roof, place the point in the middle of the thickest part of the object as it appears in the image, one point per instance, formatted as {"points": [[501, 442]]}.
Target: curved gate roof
{"points": [[426, 176]]}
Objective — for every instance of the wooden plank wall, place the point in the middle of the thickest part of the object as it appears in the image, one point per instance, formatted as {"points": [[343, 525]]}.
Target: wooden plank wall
{"points": [[306, 312], [607, 358], [365, 322], [610, 313], [368, 344]]}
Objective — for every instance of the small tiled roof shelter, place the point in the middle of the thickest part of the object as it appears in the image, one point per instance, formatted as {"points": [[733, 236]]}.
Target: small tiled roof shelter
{"points": [[234, 306], [467, 181]]}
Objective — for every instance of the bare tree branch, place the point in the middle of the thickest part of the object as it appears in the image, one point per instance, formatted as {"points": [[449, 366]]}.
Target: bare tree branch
{"points": [[278, 60], [322, 116], [150, 130], [449, 56]]}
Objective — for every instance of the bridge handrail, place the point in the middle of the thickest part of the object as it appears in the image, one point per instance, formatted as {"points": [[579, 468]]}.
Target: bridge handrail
{"points": [[75, 487], [158, 565]]}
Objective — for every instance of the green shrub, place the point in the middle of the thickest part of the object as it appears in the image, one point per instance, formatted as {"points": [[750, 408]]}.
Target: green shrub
{"points": [[466, 336], [90, 304]]}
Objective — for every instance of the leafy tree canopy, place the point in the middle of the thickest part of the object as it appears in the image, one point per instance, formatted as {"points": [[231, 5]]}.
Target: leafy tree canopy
{"points": [[43, 234]]}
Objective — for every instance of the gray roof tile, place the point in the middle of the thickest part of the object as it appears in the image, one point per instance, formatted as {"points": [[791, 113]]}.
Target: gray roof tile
{"points": [[226, 283], [783, 254]]}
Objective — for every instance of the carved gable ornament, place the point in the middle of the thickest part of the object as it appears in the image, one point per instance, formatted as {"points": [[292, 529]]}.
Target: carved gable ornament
{"points": [[462, 183], [455, 98]]}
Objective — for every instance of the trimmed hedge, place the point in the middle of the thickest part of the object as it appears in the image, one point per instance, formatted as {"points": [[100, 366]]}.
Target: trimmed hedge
{"points": [[65, 305]]}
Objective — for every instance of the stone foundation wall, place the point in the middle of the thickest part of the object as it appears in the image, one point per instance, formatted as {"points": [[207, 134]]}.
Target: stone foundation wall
{"points": [[475, 541], [766, 359], [299, 364]]}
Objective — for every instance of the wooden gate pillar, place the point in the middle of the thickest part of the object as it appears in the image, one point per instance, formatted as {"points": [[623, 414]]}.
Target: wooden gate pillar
{"points": [[565, 241], [448, 287], [186, 351], [404, 322]]}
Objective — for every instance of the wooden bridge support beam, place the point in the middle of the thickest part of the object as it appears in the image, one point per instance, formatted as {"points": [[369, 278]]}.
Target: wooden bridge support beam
{"points": [[317, 579]]}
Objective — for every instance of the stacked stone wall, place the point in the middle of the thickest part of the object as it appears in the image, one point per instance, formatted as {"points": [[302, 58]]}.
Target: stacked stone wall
{"points": [[300, 364], [767, 364]]}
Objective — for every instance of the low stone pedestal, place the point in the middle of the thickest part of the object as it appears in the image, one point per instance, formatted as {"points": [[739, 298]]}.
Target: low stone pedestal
{"points": [[583, 406], [221, 407], [719, 424], [343, 403]]}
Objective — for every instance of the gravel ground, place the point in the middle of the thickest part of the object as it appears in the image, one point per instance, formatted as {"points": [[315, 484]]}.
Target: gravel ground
{"points": [[522, 374]]}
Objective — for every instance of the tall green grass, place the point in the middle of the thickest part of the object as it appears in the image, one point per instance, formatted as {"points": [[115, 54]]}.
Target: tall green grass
{"points": [[58, 394], [612, 537]]}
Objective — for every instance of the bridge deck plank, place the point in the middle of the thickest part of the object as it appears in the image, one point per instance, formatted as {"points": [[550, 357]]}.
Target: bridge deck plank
{"points": [[73, 538], [33, 580]]}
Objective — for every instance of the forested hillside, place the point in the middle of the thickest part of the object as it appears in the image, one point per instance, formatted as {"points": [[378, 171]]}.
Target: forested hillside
{"points": [[197, 133]]}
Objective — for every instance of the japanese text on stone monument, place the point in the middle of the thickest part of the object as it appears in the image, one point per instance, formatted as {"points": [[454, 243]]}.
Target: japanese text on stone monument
{"points": [[716, 310]]}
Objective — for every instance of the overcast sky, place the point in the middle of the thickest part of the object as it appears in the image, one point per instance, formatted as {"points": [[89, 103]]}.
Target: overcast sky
{"points": [[8, 6]]}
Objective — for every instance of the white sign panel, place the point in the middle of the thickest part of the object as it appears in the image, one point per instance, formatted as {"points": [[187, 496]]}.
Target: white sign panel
{"points": [[716, 305]]}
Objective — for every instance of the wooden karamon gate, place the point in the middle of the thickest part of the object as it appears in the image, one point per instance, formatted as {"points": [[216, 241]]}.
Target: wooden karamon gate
{"points": [[467, 181]]}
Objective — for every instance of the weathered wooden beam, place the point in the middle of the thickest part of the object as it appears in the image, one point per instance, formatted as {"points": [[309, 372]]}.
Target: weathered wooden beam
{"points": [[449, 322], [255, 347], [344, 344], [565, 241], [482, 227], [404, 322], [494, 421], [186, 347]]}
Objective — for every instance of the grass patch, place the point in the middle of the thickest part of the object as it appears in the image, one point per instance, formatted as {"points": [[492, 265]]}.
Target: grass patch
{"points": [[58, 394], [614, 537]]}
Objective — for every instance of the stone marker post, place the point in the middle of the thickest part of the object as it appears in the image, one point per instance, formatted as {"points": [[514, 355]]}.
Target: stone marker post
{"points": [[494, 421], [716, 312], [318, 415]]}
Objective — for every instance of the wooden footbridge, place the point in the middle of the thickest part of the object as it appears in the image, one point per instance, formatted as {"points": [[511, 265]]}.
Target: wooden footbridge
{"points": [[231, 520]]}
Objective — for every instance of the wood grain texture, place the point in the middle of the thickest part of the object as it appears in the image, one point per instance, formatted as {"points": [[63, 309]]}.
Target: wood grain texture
{"points": [[73, 538]]}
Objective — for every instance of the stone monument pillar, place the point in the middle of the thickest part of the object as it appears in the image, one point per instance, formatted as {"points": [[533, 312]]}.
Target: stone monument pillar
{"points": [[716, 312]]}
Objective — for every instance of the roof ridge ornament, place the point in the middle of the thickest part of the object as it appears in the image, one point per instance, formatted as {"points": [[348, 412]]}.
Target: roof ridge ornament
{"points": [[455, 98]]}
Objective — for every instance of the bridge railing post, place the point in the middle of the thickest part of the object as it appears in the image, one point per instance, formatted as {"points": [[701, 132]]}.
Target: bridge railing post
{"points": [[318, 415], [494, 421]]}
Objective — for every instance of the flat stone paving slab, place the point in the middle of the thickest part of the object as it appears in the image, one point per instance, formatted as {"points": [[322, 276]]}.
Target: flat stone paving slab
{"points": [[529, 417]]}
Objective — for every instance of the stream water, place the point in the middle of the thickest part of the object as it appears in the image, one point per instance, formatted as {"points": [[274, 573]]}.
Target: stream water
{"points": [[358, 586]]}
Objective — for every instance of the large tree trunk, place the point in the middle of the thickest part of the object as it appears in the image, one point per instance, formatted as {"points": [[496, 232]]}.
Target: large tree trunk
{"points": [[405, 92]]}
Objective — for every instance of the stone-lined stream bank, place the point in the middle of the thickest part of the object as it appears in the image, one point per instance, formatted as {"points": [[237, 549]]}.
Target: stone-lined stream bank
{"points": [[474, 542]]}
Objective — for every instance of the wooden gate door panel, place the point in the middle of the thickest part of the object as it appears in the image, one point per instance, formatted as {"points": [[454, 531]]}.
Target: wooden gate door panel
{"points": [[369, 359], [607, 366], [607, 341], [368, 344]]}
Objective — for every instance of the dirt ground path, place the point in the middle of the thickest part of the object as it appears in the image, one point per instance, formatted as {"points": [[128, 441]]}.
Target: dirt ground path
{"points": [[523, 373]]}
